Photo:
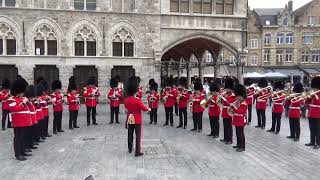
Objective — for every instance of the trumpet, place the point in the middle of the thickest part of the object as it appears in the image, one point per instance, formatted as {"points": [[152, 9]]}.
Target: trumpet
{"points": [[279, 92], [204, 102], [259, 90], [152, 99]]}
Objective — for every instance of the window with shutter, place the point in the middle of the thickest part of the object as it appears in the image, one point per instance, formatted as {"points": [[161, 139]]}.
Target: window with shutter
{"points": [[91, 48], [79, 4], [10, 2], [117, 48], [52, 47], [11, 46], [219, 6], [128, 49], [79, 48], [91, 4], [184, 6], [174, 5], [207, 6], [39, 47]]}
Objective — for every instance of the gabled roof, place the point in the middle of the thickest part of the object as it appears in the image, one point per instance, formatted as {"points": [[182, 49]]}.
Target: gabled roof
{"points": [[268, 14], [301, 10]]}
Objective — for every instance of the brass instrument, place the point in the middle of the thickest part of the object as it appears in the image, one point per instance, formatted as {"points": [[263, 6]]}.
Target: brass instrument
{"points": [[191, 106], [258, 90], [309, 95], [255, 86], [279, 92], [231, 109], [204, 102]]}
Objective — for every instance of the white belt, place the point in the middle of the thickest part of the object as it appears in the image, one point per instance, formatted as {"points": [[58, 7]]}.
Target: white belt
{"points": [[4, 101], [258, 100], [250, 97], [314, 106], [241, 115], [212, 105], [90, 98], [278, 103], [294, 108], [39, 110], [21, 112], [225, 107], [32, 112], [45, 107]]}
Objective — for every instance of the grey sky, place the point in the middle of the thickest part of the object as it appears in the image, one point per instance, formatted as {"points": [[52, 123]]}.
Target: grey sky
{"points": [[275, 3]]}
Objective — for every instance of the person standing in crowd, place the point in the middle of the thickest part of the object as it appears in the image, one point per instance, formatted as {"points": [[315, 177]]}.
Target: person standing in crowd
{"points": [[197, 109], [18, 106], [249, 100], [175, 92], [169, 100], [239, 116], [227, 98], [91, 94], [134, 107], [183, 97], [278, 98], [120, 88], [294, 102], [57, 103], [140, 90], [39, 112], [313, 102], [31, 131], [4, 96], [261, 102], [153, 100], [114, 95], [45, 102], [214, 110], [73, 101]]}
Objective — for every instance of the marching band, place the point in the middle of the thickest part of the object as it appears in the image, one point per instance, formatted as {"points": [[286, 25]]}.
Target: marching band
{"points": [[28, 107]]}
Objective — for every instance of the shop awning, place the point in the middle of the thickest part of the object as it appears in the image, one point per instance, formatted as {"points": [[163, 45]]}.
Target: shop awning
{"points": [[288, 72], [254, 69], [311, 71], [275, 75], [253, 75]]}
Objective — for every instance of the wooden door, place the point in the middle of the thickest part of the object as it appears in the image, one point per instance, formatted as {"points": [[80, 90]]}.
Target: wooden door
{"points": [[49, 72], [8, 71], [124, 72], [82, 74]]}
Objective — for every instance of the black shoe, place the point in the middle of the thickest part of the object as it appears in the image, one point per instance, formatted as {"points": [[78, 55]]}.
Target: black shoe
{"points": [[179, 126], [155, 123], [43, 138], [296, 139], [316, 147], [228, 143], [185, 127], [235, 147], [76, 127], [289, 137], [27, 150], [40, 141], [310, 144], [199, 131], [118, 122], [33, 147], [215, 137], [171, 124], [139, 154], [21, 158], [263, 127], [60, 130], [88, 124], [54, 132], [150, 123], [258, 126], [48, 135], [3, 129], [166, 124], [35, 144], [26, 154], [270, 130], [240, 150], [222, 140], [110, 122], [95, 124], [210, 135], [193, 129], [276, 132], [70, 128]]}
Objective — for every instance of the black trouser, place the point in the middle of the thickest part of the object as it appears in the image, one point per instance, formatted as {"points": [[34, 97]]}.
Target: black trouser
{"points": [[34, 132], [73, 116], [46, 125], [215, 125], [227, 129], [93, 110], [249, 113], [28, 137], [197, 121], [57, 118], [183, 118], [137, 129], [294, 127], [5, 116], [154, 115], [276, 122], [19, 141], [241, 140], [41, 128], [114, 113], [261, 113], [314, 125], [169, 115], [176, 109]]}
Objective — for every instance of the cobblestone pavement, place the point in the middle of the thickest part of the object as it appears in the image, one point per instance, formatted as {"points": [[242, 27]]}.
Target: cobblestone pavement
{"points": [[170, 154]]}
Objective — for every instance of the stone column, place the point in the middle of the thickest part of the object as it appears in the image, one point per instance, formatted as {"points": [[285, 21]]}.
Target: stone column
{"points": [[65, 71], [45, 46], [3, 3], [188, 74], [104, 75], [85, 47], [27, 72]]}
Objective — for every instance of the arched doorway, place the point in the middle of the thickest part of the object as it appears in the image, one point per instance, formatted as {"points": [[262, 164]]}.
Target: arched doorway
{"points": [[8, 71], [48, 72], [82, 74]]}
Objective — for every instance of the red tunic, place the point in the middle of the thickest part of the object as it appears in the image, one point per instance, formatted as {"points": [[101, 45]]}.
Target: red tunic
{"points": [[4, 96], [278, 103], [184, 98], [314, 107], [250, 93], [295, 107], [39, 115], [214, 108], [197, 98], [229, 98], [140, 92], [20, 113], [33, 116], [91, 95], [262, 98], [155, 103], [168, 96], [240, 113], [134, 107], [73, 101], [57, 101], [44, 104], [115, 96]]}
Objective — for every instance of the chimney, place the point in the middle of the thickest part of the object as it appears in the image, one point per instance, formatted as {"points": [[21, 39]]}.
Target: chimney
{"points": [[290, 5]]}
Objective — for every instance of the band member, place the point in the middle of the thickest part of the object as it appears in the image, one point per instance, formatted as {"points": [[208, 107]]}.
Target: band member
{"points": [[278, 101], [239, 119], [197, 109], [39, 112], [249, 100], [120, 88], [91, 94], [73, 101], [57, 103], [20, 117], [114, 95], [140, 91], [134, 107], [169, 100], [4, 96], [214, 110], [295, 101], [153, 100], [45, 102], [313, 101], [31, 136], [261, 102], [175, 92], [227, 97], [183, 97]]}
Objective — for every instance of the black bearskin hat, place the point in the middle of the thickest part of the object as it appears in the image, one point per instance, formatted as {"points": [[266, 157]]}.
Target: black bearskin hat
{"points": [[18, 86], [113, 83], [278, 85], [247, 82], [91, 80], [183, 81], [218, 82], [5, 83], [229, 83], [240, 90], [315, 82], [139, 79], [132, 86], [30, 92], [298, 88], [72, 87], [56, 85], [72, 80], [263, 82], [236, 80], [18, 76], [169, 82], [154, 87], [151, 81], [175, 81], [117, 78], [40, 90], [39, 80], [214, 87], [198, 86], [45, 85]]}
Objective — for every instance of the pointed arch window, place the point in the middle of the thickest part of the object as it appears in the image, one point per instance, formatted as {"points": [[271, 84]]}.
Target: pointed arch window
{"points": [[45, 41], [8, 45], [85, 42], [123, 43]]}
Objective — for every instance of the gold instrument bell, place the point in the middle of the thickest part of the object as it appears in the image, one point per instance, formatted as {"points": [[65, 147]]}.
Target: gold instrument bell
{"points": [[191, 106], [230, 110], [203, 104]]}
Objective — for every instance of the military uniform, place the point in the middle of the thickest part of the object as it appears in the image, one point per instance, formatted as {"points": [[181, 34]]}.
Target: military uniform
{"points": [[294, 116], [214, 114], [73, 102], [197, 111], [261, 106], [184, 97], [57, 103], [229, 98], [91, 93], [249, 101], [277, 110], [4, 96], [239, 121], [153, 100], [169, 98], [114, 95]]}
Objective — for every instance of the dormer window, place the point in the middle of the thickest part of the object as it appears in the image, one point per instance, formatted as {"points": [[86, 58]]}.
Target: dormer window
{"points": [[268, 23]]}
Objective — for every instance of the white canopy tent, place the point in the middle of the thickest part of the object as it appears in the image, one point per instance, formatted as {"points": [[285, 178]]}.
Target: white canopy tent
{"points": [[275, 75], [253, 75]]}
